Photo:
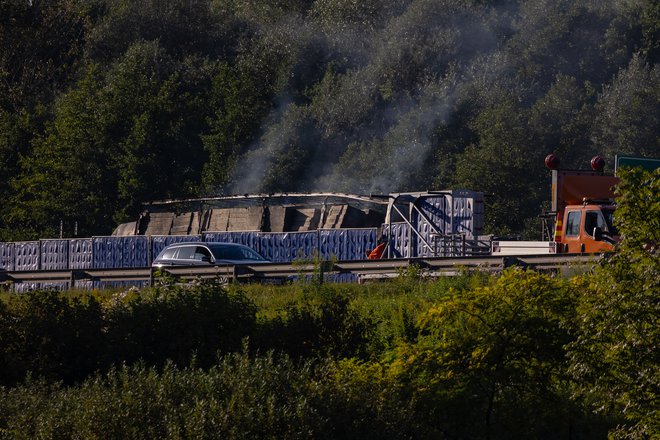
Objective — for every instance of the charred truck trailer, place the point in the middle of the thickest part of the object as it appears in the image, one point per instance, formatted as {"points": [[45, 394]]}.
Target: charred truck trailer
{"points": [[416, 224]]}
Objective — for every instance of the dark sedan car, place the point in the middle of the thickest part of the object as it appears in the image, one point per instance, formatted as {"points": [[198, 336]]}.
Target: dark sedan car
{"points": [[200, 253]]}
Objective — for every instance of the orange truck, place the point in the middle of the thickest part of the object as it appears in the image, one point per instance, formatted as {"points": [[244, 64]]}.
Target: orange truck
{"points": [[583, 205]]}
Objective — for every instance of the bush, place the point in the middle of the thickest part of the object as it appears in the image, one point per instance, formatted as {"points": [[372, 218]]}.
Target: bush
{"points": [[51, 335], [65, 337], [615, 359], [239, 398], [490, 362], [176, 322], [322, 323]]}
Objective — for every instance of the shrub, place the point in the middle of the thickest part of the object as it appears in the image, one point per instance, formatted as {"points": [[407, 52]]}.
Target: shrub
{"points": [[490, 362], [239, 398], [50, 335], [322, 323], [176, 322]]}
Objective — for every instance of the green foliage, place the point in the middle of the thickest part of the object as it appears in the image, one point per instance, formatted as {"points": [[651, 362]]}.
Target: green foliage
{"points": [[50, 335], [176, 323], [623, 127], [490, 363], [240, 398], [322, 323], [502, 152], [60, 337], [615, 358], [524, 355], [239, 105]]}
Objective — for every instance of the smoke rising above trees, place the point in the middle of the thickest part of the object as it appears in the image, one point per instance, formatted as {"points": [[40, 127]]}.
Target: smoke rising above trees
{"points": [[206, 97]]}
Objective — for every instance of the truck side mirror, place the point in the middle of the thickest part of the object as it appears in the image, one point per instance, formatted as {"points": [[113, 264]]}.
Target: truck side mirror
{"points": [[598, 233]]}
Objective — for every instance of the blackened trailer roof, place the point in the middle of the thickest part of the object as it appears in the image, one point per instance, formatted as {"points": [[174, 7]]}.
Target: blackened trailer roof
{"points": [[374, 202]]}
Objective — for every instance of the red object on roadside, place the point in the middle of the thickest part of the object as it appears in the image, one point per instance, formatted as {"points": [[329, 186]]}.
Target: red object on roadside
{"points": [[377, 253]]}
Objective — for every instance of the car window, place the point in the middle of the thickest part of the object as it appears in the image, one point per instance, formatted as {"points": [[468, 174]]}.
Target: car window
{"points": [[235, 253], [573, 223], [168, 254], [186, 253], [201, 253], [609, 221]]}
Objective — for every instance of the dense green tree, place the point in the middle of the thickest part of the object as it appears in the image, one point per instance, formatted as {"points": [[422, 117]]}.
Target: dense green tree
{"points": [[119, 138], [490, 363], [615, 359], [40, 41], [624, 125], [68, 177], [560, 122], [239, 105], [157, 110], [181, 27], [503, 151]]}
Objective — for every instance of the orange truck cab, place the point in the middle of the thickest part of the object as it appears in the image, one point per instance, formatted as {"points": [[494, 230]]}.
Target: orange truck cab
{"points": [[587, 228]]}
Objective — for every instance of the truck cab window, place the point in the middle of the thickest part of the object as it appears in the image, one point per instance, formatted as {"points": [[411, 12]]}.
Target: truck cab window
{"points": [[609, 221], [592, 220], [573, 223]]}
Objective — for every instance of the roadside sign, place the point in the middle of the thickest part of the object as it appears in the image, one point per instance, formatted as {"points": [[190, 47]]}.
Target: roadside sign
{"points": [[632, 162]]}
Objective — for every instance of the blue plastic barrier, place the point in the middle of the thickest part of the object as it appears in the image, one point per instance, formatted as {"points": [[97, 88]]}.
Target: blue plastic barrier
{"points": [[118, 252], [346, 244], [7, 256], [247, 238], [54, 254], [80, 253], [26, 255], [281, 247], [398, 235]]}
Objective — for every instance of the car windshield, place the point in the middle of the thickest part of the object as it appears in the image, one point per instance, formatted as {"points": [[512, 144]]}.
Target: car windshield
{"points": [[226, 252]]}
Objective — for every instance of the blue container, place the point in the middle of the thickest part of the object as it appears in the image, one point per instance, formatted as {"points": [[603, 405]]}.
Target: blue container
{"points": [[135, 251], [81, 253], [24, 287], [26, 255], [281, 247], [468, 213], [346, 244], [398, 235], [54, 254], [457, 212], [158, 242], [120, 252], [341, 278], [7, 256], [59, 286]]}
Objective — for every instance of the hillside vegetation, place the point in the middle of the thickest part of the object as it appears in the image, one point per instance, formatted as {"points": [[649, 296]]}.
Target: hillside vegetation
{"points": [[105, 104], [519, 355]]}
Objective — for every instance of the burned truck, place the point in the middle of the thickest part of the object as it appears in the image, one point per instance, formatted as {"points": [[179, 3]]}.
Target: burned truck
{"points": [[415, 224]]}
